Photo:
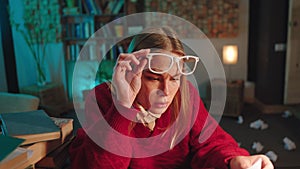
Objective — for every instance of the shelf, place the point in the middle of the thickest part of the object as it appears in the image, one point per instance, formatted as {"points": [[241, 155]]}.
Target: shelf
{"points": [[82, 42]]}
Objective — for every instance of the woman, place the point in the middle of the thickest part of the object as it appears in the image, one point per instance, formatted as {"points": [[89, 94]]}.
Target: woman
{"points": [[158, 113]]}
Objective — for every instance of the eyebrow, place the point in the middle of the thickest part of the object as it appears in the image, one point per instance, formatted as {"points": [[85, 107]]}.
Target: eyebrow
{"points": [[147, 71]]}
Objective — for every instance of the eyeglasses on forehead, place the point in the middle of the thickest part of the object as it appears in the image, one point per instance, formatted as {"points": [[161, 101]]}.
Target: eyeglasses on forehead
{"points": [[160, 63]]}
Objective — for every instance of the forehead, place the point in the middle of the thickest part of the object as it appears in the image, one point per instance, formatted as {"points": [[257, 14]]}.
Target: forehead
{"points": [[164, 52]]}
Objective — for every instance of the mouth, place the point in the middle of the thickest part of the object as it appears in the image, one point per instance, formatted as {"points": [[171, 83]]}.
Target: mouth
{"points": [[160, 105]]}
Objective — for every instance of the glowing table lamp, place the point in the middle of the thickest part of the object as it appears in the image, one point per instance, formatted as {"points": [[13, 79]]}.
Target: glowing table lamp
{"points": [[230, 56]]}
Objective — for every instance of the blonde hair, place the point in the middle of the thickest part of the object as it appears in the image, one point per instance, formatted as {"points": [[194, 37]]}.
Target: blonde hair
{"points": [[165, 38]]}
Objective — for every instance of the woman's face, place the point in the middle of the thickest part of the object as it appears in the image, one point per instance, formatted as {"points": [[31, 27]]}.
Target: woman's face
{"points": [[158, 90]]}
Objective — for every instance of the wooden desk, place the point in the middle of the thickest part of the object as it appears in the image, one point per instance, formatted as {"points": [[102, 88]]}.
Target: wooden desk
{"points": [[52, 97]]}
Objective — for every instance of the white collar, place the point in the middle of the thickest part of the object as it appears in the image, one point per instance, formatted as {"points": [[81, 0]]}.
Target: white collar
{"points": [[146, 117]]}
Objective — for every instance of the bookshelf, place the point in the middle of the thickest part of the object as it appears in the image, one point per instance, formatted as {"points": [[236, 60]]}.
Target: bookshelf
{"points": [[81, 20], [79, 27]]}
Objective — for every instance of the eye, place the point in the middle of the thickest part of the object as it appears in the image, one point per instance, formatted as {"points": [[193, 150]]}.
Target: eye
{"points": [[175, 78], [152, 78]]}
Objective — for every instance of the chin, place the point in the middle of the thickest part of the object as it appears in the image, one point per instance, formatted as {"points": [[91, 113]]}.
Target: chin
{"points": [[158, 110]]}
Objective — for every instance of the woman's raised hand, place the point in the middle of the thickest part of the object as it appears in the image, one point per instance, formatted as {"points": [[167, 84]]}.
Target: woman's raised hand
{"points": [[126, 78]]}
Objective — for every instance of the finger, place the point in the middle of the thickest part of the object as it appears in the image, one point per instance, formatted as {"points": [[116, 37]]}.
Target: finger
{"points": [[119, 73], [141, 52], [266, 163], [141, 66], [137, 72], [123, 64], [246, 163], [120, 70], [128, 57], [134, 57], [141, 56]]}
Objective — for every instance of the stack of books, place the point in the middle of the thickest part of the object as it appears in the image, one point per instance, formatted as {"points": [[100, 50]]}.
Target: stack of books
{"points": [[34, 139]]}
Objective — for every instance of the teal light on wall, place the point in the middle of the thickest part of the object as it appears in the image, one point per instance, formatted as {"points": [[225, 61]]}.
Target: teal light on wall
{"points": [[85, 75], [105, 71]]}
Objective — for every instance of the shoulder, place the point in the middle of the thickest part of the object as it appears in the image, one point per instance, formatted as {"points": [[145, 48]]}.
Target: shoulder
{"points": [[102, 91], [104, 88], [99, 97]]}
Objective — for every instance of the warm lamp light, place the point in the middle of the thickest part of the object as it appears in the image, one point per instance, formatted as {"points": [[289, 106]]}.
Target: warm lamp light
{"points": [[230, 57], [230, 54]]}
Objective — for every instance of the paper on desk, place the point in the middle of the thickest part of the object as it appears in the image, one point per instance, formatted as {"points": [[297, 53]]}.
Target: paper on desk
{"points": [[256, 165]]}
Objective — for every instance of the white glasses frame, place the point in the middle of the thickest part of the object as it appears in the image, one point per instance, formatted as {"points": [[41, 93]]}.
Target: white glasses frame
{"points": [[177, 60]]}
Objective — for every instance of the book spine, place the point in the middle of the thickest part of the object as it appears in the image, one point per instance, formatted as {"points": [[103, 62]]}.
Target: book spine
{"points": [[85, 8], [90, 7], [3, 126], [118, 6], [99, 7]]}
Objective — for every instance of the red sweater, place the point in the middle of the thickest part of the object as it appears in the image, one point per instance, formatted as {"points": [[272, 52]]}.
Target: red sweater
{"points": [[213, 152]]}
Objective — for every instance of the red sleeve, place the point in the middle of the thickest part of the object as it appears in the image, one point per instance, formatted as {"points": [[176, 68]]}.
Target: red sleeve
{"points": [[99, 105], [85, 151], [211, 146]]}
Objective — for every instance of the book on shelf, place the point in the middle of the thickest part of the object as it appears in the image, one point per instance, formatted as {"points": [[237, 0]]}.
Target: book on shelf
{"points": [[114, 7], [56, 158], [118, 6], [18, 157], [92, 51], [73, 52], [66, 127], [68, 52], [8, 145], [70, 11], [32, 126], [84, 9], [77, 30], [91, 7], [86, 31], [99, 7], [11, 155], [42, 149], [120, 49]]}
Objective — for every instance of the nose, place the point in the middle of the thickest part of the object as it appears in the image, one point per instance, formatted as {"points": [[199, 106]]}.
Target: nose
{"points": [[164, 88]]}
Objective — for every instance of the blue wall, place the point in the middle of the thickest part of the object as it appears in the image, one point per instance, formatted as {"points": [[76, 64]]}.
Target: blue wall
{"points": [[26, 68]]}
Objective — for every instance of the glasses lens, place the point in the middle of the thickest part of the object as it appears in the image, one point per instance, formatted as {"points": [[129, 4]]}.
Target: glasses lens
{"points": [[160, 63], [188, 64]]}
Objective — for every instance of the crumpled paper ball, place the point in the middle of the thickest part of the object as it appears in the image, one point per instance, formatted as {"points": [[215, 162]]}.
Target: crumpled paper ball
{"points": [[289, 144], [240, 120], [287, 114], [257, 146], [259, 124], [272, 156]]}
